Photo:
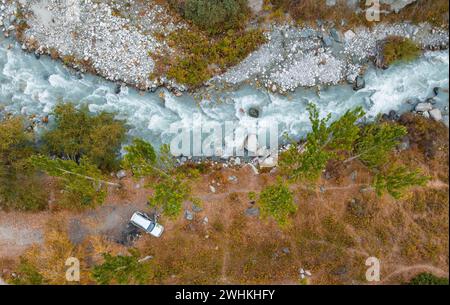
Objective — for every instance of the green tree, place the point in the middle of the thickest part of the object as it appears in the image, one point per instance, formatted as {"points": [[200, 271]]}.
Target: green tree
{"points": [[121, 270], [82, 183], [277, 202], [166, 161], [397, 179], [169, 195], [140, 158], [79, 134], [376, 141], [324, 142], [20, 187], [216, 16]]}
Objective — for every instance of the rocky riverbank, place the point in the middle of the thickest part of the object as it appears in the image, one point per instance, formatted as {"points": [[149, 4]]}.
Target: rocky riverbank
{"points": [[304, 57], [115, 39]]}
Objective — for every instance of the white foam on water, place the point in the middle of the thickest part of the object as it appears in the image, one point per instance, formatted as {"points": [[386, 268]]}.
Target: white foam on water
{"points": [[32, 86]]}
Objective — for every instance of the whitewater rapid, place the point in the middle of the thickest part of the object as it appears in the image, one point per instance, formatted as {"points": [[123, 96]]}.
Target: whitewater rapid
{"points": [[32, 86]]}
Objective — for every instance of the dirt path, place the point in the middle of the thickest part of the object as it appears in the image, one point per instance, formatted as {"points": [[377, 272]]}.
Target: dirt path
{"points": [[416, 269], [18, 231]]}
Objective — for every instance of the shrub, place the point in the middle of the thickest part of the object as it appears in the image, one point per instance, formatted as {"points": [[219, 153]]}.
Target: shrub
{"points": [[322, 144], [78, 133], [312, 10], [20, 187], [376, 141], [216, 16], [169, 195], [27, 274], [81, 182], [428, 279], [200, 54], [140, 158], [121, 269], [397, 179], [277, 202], [399, 49]]}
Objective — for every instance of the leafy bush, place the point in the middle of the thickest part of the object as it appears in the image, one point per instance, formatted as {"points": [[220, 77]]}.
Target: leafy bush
{"points": [[322, 143], [82, 183], [78, 133], [216, 16], [200, 54], [399, 49], [398, 178], [277, 201], [376, 141], [169, 195], [311, 10], [140, 158], [27, 274], [428, 279], [121, 270], [20, 186]]}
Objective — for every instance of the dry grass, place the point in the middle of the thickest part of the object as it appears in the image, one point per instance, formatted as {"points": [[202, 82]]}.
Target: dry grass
{"points": [[309, 11], [333, 233]]}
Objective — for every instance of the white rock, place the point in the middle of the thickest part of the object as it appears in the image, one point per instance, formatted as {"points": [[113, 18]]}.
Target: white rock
{"points": [[422, 107], [436, 114], [349, 35], [254, 169], [269, 162]]}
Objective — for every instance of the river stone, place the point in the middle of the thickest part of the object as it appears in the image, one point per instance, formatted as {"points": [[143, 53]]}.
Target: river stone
{"points": [[423, 107], [121, 174], [336, 35], [436, 114], [359, 84], [327, 41], [117, 89], [253, 112], [349, 35], [232, 179], [188, 215], [251, 212], [196, 208]]}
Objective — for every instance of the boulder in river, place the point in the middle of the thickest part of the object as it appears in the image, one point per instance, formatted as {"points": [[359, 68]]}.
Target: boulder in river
{"points": [[359, 84], [423, 107], [253, 112]]}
